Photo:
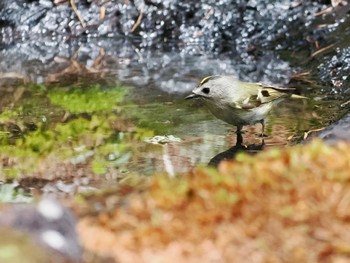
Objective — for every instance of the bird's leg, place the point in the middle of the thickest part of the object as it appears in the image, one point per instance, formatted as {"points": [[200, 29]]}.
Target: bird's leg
{"points": [[262, 135], [239, 139], [239, 129]]}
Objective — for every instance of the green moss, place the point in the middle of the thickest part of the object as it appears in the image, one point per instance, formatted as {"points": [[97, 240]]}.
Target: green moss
{"points": [[37, 142], [8, 115], [87, 100], [89, 134], [98, 167]]}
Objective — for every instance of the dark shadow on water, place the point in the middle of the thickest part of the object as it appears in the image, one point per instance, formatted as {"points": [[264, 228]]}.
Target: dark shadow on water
{"points": [[231, 153]]}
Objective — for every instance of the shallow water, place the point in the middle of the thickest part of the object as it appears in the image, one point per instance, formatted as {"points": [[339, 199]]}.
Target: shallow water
{"points": [[203, 136], [107, 117]]}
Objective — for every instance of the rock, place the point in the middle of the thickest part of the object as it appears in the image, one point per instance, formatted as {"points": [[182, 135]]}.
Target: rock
{"points": [[337, 131], [48, 224]]}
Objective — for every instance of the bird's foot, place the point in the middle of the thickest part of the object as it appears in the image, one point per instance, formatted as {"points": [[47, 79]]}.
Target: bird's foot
{"points": [[240, 131]]}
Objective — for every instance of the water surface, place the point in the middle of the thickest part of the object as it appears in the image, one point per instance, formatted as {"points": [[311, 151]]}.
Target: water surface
{"points": [[109, 115]]}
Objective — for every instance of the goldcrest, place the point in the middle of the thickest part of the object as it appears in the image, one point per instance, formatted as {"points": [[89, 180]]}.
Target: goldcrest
{"points": [[239, 103]]}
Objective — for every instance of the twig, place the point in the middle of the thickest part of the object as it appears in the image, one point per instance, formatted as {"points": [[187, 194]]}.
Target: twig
{"points": [[102, 12], [14, 75], [209, 13], [302, 77], [306, 134], [138, 21], [345, 104], [301, 74], [325, 11], [335, 3], [65, 116], [321, 50], [74, 7]]}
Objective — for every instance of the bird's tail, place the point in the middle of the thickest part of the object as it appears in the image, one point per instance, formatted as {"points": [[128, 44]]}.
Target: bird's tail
{"points": [[295, 96]]}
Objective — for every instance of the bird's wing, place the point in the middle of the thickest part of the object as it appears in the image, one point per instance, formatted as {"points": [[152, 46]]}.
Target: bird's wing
{"points": [[250, 99], [255, 95], [248, 103], [280, 92], [268, 94]]}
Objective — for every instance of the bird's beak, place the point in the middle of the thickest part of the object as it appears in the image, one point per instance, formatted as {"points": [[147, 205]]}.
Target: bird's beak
{"points": [[192, 96]]}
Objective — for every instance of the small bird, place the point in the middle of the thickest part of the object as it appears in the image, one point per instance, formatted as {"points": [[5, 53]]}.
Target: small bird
{"points": [[239, 103]]}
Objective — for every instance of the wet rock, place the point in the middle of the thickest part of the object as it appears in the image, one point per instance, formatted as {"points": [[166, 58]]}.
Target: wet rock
{"points": [[17, 246], [49, 224], [163, 41], [335, 71], [170, 71], [337, 131], [157, 22]]}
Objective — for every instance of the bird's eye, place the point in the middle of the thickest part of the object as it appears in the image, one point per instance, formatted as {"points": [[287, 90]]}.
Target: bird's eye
{"points": [[206, 90]]}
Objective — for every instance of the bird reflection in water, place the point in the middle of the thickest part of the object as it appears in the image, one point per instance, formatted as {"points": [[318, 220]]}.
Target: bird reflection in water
{"points": [[231, 153]]}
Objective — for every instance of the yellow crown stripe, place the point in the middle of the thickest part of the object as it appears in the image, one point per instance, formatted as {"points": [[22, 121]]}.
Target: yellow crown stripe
{"points": [[206, 79]]}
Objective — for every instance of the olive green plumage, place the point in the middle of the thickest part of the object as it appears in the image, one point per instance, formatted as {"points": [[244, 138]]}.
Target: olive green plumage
{"points": [[236, 102]]}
